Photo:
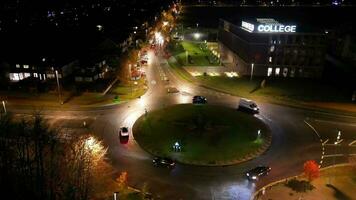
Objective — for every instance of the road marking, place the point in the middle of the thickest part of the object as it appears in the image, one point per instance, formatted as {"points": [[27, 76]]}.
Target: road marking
{"points": [[316, 132], [333, 122], [326, 141], [333, 155], [338, 115], [351, 143]]}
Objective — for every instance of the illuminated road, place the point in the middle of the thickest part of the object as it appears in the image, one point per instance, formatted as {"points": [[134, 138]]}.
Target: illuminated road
{"points": [[293, 141]]}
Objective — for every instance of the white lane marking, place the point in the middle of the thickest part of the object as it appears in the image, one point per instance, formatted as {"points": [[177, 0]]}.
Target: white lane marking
{"points": [[326, 141], [333, 122], [353, 142], [337, 115], [333, 155], [316, 132]]}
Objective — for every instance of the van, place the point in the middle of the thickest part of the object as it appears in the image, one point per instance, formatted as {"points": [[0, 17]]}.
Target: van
{"points": [[248, 105]]}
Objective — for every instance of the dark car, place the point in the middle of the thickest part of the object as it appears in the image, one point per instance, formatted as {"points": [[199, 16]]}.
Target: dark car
{"points": [[199, 100], [124, 135], [163, 162], [256, 172]]}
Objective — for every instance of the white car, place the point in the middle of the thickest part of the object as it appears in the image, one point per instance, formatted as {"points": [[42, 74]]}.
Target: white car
{"points": [[124, 135], [124, 132], [248, 105]]}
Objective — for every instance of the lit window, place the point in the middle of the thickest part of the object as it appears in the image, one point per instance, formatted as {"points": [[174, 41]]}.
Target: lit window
{"points": [[269, 71], [26, 66], [50, 76], [17, 65], [35, 75], [272, 48], [285, 72], [27, 75], [292, 72], [14, 77], [270, 59], [277, 71], [20, 76]]}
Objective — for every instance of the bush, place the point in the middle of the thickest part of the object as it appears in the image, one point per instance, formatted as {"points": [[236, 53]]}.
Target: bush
{"points": [[299, 185]]}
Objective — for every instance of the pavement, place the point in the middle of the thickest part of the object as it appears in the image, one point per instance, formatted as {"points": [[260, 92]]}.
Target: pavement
{"points": [[334, 183], [293, 141]]}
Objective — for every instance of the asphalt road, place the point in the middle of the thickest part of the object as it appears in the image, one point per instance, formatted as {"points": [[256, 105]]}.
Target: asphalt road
{"points": [[296, 138]]}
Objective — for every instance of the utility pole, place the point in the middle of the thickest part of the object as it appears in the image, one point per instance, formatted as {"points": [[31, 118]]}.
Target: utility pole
{"points": [[59, 89], [3, 104], [252, 64]]}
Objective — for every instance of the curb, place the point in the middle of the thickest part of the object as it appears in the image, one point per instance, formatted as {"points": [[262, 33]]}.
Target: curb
{"points": [[255, 195], [245, 158]]}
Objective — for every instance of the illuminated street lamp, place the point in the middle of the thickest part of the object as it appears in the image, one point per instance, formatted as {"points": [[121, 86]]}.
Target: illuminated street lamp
{"points": [[116, 194], [59, 89], [197, 36], [3, 104], [252, 65]]}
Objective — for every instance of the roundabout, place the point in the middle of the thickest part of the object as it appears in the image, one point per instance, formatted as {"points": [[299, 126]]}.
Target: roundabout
{"points": [[202, 134]]}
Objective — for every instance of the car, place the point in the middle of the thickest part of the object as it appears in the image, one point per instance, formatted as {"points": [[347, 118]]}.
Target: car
{"points": [[257, 172], [163, 162], [248, 106], [124, 135], [199, 100]]}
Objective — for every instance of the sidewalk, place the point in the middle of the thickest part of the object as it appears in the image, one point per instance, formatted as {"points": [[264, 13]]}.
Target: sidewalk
{"points": [[334, 183], [51, 99]]}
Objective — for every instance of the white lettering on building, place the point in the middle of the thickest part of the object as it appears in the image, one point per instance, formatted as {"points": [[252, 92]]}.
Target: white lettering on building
{"points": [[276, 28], [248, 26]]}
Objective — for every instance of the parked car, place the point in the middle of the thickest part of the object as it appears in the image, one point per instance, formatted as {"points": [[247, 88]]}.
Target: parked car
{"points": [[199, 100], [248, 106], [257, 172], [124, 135], [163, 162]]}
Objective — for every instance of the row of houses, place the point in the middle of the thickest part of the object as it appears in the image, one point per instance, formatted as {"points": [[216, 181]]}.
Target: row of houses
{"points": [[47, 69]]}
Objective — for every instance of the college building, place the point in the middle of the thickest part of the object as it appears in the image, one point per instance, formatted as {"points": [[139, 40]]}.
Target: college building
{"points": [[266, 47]]}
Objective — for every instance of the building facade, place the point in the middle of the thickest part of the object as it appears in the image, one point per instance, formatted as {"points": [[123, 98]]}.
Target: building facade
{"points": [[265, 47]]}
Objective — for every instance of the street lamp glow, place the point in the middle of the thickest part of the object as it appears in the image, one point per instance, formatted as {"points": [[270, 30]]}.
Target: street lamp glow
{"points": [[252, 65], [197, 36], [159, 38], [3, 104]]}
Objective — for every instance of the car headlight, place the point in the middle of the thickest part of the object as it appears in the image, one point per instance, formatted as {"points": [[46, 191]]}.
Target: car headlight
{"points": [[254, 177]]}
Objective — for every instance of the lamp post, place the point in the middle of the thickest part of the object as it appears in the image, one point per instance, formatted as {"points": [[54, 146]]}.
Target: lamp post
{"points": [[59, 89], [116, 194], [252, 64], [3, 104]]}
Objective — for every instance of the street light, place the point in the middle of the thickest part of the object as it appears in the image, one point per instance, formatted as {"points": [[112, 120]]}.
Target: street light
{"points": [[252, 64], [116, 194], [3, 104], [59, 89]]}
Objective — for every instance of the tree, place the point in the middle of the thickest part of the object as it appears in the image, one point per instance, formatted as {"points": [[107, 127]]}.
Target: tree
{"points": [[311, 170]]}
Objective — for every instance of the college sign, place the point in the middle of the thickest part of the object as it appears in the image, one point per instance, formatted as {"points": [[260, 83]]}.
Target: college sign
{"points": [[268, 27], [276, 28]]}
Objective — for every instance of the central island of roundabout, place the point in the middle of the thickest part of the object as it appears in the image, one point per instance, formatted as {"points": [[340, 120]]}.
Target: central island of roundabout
{"points": [[204, 135]]}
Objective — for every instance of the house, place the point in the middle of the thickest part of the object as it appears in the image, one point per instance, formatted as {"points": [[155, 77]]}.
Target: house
{"points": [[86, 72]]}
